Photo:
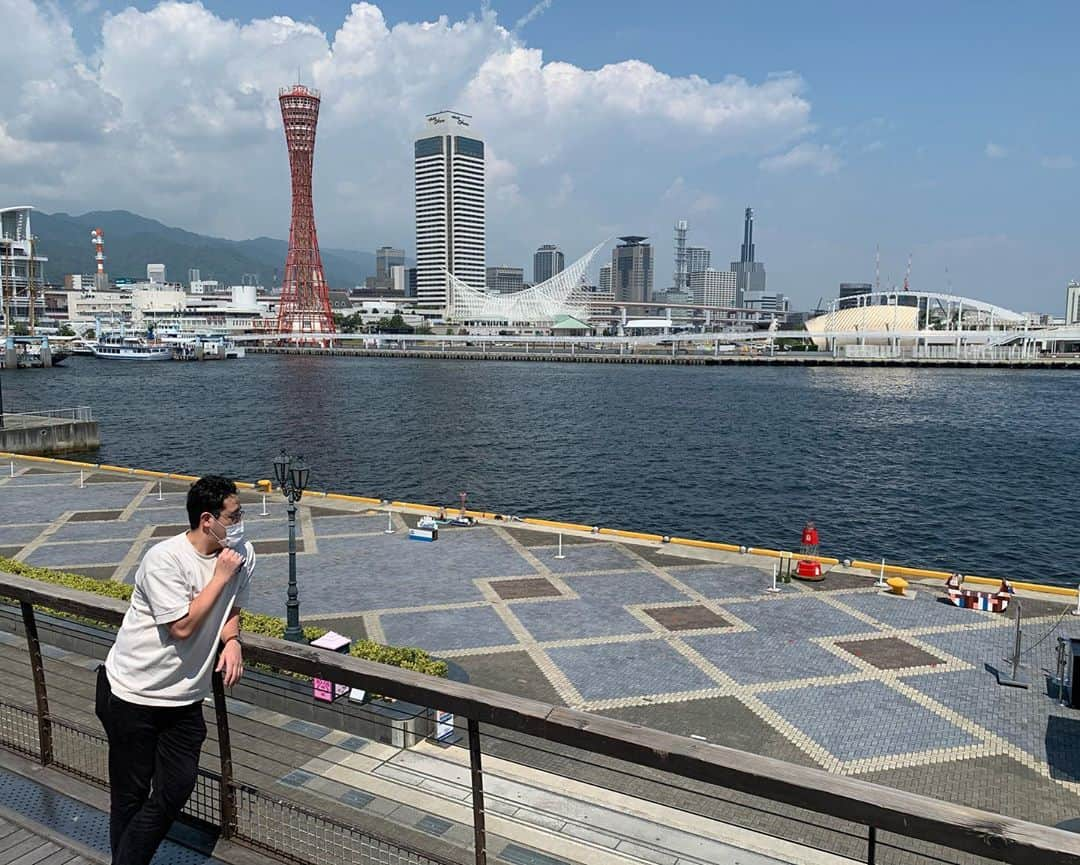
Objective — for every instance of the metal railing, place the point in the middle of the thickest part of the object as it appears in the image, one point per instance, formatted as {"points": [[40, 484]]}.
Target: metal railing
{"points": [[931, 828], [15, 420]]}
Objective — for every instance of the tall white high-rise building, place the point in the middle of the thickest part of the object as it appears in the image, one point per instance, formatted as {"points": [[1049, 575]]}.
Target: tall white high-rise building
{"points": [[605, 277], [1072, 302], [713, 287], [697, 258], [449, 182]]}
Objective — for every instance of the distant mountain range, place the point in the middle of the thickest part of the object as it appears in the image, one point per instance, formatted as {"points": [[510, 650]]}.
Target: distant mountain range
{"points": [[133, 241]]}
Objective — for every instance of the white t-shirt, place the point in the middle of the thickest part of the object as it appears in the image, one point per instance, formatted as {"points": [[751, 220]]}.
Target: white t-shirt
{"points": [[146, 665]]}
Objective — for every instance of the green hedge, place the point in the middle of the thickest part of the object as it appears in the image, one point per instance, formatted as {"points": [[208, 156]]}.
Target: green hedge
{"points": [[252, 623]]}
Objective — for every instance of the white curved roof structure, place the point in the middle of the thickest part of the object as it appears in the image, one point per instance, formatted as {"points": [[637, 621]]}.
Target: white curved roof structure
{"points": [[539, 305]]}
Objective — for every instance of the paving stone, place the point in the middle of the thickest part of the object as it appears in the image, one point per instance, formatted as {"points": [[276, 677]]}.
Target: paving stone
{"points": [[356, 798], [598, 556], [433, 825], [727, 581], [617, 670], [100, 572], [169, 531], [798, 616], [625, 587], [569, 620], [534, 538], [296, 778], [754, 657], [446, 630], [687, 618], [518, 855], [524, 588], [93, 516], [59, 555], [889, 653], [271, 547], [509, 672], [859, 720], [306, 728], [838, 580], [926, 609]]}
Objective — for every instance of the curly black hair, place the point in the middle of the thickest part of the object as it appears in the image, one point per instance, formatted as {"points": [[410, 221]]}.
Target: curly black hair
{"points": [[207, 495]]}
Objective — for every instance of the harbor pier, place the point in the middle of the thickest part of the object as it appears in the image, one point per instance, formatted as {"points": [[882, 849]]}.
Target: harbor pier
{"points": [[53, 432], [650, 697]]}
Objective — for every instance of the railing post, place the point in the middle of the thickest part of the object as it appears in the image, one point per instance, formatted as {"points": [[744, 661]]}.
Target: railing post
{"points": [[227, 793], [479, 832], [871, 846], [37, 668]]}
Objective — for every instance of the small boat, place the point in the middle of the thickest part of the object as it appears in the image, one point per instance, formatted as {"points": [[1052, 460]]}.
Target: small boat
{"points": [[972, 599], [117, 346]]}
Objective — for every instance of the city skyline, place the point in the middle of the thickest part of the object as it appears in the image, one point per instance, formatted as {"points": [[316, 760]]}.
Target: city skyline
{"points": [[911, 157]]}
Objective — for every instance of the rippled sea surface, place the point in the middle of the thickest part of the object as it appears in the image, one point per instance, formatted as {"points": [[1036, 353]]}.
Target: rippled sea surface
{"points": [[973, 470]]}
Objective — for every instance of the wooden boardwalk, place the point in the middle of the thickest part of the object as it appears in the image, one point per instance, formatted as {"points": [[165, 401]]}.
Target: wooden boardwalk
{"points": [[22, 846]]}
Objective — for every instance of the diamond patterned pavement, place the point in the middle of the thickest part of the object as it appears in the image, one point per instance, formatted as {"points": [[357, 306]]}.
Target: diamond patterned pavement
{"points": [[637, 630]]}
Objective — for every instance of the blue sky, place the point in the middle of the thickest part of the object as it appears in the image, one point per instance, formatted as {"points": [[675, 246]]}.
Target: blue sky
{"points": [[944, 130]]}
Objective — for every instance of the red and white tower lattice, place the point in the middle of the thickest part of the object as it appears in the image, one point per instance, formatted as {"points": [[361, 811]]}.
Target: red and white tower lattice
{"points": [[305, 302]]}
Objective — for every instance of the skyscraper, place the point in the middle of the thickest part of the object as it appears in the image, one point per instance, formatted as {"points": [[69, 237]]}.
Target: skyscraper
{"points": [[605, 277], [632, 270], [547, 261], [679, 280], [503, 280], [713, 287], [749, 274], [449, 185], [387, 257], [1072, 302], [698, 258]]}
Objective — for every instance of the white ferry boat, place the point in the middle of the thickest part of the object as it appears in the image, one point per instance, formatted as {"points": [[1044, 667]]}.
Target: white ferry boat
{"points": [[116, 346]]}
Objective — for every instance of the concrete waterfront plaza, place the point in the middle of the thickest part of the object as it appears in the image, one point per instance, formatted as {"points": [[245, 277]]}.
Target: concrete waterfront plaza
{"points": [[838, 675]]}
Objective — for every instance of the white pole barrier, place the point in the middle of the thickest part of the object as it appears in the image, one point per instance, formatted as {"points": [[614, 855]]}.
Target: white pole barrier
{"points": [[559, 555], [81, 485], [389, 530], [881, 584], [775, 570], [264, 512], [1076, 612], [13, 468], [159, 491]]}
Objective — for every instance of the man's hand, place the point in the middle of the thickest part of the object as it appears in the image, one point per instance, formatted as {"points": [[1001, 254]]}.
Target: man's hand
{"points": [[228, 564], [230, 663]]}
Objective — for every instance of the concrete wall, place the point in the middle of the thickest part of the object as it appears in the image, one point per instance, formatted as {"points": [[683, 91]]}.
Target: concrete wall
{"points": [[54, 439]]}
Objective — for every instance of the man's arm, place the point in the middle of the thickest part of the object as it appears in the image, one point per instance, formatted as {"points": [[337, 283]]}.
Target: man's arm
{"points": [[228, 563], [231, 662]]}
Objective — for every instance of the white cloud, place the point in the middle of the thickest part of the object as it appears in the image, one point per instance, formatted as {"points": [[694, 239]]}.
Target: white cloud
{"points": [[530, 16], [821, 158], [1058, 163], [995, 151], [175, 115]]}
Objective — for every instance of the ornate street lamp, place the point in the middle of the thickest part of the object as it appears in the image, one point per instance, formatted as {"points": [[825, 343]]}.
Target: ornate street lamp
{"points": [[291, 474]]}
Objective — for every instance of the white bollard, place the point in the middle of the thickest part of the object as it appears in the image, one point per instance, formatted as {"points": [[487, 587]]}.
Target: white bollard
{"points": [[81, 484], [1076, 612], [264, 512], [559, 555], [389, 530], [159, 491], [13, 468], [881, 584], [775, 569]]}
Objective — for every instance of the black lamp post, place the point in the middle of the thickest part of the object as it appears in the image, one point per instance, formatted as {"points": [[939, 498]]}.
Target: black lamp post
{"points": [[291, 475]]}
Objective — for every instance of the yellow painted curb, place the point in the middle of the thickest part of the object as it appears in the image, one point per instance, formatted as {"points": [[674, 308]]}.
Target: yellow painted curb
{"points": [[575, 527], [366, 500], [706, 545], [108, 468], [413, 506], [149, 474], [623, 533], [177, 477]]}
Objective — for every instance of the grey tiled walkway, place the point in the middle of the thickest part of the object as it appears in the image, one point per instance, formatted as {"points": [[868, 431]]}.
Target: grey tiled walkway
{"points": [[588, 630]]}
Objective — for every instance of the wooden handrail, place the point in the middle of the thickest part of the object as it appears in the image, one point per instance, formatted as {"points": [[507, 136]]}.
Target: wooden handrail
{"points": [[957, 827]]}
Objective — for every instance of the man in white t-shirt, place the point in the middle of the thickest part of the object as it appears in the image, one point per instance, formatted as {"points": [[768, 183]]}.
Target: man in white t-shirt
{"points": [[184, 614]]}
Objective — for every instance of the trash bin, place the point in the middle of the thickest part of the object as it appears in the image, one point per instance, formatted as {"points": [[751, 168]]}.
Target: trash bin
{"points": [[322, 689]]}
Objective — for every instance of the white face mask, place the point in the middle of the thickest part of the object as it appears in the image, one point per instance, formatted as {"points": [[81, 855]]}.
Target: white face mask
{"points": [[234, 536]]}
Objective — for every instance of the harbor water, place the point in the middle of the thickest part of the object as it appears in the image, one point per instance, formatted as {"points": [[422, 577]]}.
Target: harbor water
{"points": [[973, 470]]}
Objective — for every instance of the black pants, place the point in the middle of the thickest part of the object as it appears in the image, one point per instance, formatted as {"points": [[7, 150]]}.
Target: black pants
{"points": [[153, 761]]}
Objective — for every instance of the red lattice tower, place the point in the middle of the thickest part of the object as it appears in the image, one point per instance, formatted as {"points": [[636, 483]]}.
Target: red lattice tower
{"points": [[305, 302]]}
